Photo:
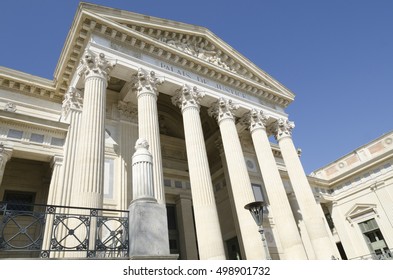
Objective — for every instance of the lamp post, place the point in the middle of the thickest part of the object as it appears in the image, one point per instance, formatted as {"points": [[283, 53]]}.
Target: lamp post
{"points": [[256, 210]]}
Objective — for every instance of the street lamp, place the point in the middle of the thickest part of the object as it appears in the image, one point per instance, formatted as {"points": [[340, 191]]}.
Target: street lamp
{"points": [[256, 210]]}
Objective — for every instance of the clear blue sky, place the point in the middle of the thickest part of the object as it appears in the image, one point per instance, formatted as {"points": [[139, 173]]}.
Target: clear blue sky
{"points": [[336, 56]]}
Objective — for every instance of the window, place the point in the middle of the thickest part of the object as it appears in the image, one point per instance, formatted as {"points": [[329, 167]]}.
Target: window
{"points": [[19, 201], [374, 238], [257, 190], [172, 229]]}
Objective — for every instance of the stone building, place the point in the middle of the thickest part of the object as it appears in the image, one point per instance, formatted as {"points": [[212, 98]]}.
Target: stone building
{"points": [[67, 173]]}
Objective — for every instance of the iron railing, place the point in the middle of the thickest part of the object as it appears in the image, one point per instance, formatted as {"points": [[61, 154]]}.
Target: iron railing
{"points": [[386, 255], [51, 231]]}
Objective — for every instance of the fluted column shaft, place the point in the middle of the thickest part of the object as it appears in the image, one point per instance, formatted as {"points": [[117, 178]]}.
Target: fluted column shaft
{"points": [[5, 155], [90, 159], [311, 215], [210, 243], [54, 187], [128, 134], [240, 181], [149, 127], [72, 112], [278, 200]]}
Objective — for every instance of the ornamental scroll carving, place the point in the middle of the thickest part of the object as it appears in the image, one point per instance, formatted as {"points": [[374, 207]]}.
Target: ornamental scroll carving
{"points": [[128, 111], [198, 50], [72, 100], [93, 64], [254, 119], [187, 96], [147, 81], [222, 109], [283, 128]]}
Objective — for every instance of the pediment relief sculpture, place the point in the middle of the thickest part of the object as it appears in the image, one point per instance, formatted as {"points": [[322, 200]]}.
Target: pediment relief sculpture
{"points": [[197, 49]]}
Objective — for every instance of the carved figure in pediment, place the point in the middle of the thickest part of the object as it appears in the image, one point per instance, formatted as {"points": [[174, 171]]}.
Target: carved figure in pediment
{"points": [[198, 50], [203, 53]]}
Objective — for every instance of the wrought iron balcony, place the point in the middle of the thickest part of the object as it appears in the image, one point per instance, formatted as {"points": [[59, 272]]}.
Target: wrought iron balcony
{"points": [[50, 231]]}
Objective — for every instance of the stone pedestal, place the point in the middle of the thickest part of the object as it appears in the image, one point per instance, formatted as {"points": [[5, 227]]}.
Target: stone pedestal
{"points": [[148, 232], [148, 219]]}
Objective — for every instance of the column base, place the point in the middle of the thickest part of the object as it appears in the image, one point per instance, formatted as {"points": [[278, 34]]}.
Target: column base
{"points": [[148, 230]]}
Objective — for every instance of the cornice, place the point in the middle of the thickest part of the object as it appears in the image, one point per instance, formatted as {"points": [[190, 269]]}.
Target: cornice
{"points": [[28, 84], [30, 121], [146, 39]]}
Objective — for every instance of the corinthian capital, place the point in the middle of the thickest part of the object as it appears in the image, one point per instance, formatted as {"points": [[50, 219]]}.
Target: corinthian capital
{"points": [[255, 119], [147, 81], [187, 97], [72, 100], [223, 109], [128, 111], [95, 65], [283, 128]]}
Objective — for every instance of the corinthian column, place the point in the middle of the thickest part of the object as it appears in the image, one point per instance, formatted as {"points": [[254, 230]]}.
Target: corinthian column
{"points": [[5, 155], [249, 238], [208, 230], [311, 215], [72, 110], [279, 204], [89, 164], [147, 94]]}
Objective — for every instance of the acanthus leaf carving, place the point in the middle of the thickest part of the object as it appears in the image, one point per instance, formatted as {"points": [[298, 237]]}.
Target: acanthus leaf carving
{"points": [[147, 81], [283, 128], [187, 96], [72, 100], [95, 65], [128, 111], [255, 119], [222, 109]]}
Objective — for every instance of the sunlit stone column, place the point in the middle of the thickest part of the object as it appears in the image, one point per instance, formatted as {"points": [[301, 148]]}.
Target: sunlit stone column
{"points": [[208, 230], [5, 155], [250, 239], [72, 112], [128, 125], [311, 215], [279, 204], [148, 125], [55, 186], [54, 189], [89, 165]]}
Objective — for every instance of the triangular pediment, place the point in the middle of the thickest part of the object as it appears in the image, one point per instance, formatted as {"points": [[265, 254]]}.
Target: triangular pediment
{"points": [[191, 47], [360, 210]]}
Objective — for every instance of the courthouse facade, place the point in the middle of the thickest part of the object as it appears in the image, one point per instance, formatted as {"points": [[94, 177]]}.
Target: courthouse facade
{"points": [[205, 114]]}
